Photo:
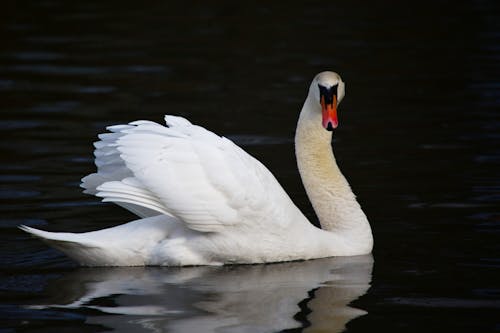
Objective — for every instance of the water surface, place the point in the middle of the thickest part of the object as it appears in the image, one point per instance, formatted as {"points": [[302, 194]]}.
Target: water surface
{"points": [[418, 141]]}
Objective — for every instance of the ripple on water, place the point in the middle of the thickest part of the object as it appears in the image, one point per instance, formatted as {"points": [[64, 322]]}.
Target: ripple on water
{"points": [[96, 89], [20, 124], [37, 56], [17, 194], [6, 84], [19, 178], [63, 204], [437, 302], [13, 223], [60, 70], [17, 313], [60, 106], [257, 140], [146, 69], [452, 205]]}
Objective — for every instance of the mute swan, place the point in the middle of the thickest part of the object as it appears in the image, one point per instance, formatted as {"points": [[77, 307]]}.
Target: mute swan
{"points": [[204, 201]]}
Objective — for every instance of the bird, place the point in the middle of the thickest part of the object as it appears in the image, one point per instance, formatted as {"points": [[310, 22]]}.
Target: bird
{"points": [[202, 200]]}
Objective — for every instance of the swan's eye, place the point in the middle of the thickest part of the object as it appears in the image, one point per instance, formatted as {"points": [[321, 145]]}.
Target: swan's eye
{"points": [[327, 93]]}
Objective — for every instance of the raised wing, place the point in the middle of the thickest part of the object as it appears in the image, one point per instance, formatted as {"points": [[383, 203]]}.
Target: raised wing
{"points": [[112, 173], [186, 171]]}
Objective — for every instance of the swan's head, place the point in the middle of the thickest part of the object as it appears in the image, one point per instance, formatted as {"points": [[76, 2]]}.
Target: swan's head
{"points": [[327, 89]]}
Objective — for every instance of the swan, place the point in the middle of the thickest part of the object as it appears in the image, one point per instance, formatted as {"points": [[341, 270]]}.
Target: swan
{"points": [[202, 200]]}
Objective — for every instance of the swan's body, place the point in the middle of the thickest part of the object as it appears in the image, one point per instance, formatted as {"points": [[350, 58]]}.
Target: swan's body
{"points": [[204, 201]]}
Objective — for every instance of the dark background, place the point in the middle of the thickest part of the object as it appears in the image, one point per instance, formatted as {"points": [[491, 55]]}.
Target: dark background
{"points": [[418, 136]]}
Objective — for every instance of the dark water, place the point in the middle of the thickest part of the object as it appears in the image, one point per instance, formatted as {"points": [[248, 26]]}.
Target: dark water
{"points": [[418, 141]]}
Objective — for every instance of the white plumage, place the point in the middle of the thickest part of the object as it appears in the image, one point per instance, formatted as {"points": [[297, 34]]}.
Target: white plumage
{"points": [[205, 201]]}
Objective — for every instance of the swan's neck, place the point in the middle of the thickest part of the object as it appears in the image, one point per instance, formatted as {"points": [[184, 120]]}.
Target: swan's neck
{"points": [[328, 190]]}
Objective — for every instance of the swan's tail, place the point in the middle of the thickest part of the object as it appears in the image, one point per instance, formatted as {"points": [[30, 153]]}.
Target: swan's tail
{"points": [[73, 245], [128, 244]]}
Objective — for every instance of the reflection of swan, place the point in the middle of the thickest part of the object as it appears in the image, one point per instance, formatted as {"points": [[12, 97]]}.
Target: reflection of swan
{"points": [[248, 298], [217, 204]]}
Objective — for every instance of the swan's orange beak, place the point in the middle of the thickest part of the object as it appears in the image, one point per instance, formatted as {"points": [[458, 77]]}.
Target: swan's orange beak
{"points": [[329, 111]]}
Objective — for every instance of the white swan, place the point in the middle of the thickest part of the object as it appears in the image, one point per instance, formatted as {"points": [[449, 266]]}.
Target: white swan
{"points": [[204, 201]]}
